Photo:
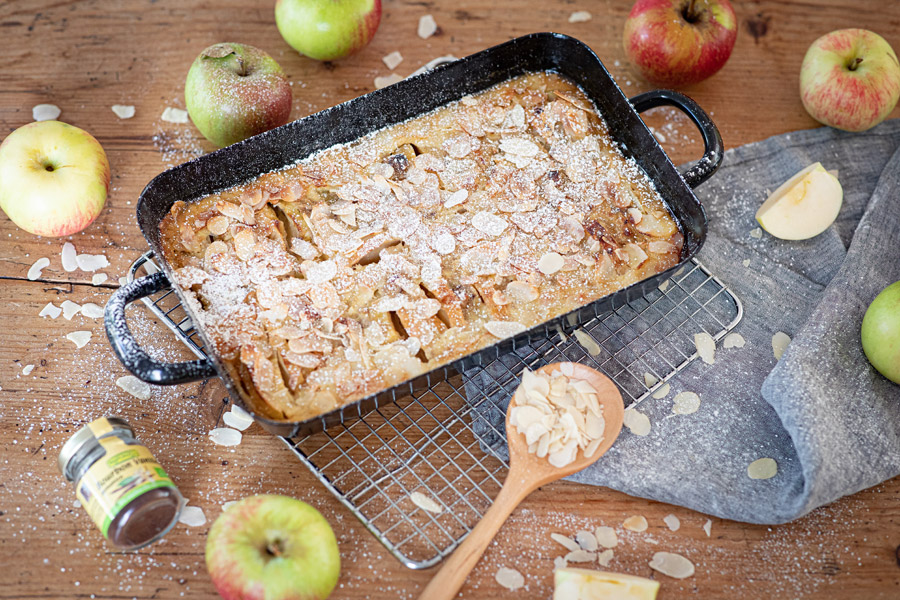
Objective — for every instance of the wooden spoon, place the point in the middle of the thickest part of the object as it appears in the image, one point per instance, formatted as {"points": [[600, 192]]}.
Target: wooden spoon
{"points": [[527, 472]]}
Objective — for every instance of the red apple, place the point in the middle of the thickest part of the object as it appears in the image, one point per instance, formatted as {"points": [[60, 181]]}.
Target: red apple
{"points": [[271, 547], [234, 91], [54, 178], [327, 29], [679, 42], [850, 79]]}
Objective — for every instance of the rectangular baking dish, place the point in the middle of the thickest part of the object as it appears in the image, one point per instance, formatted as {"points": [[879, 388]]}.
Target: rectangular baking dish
{"points": [[409, 98]]}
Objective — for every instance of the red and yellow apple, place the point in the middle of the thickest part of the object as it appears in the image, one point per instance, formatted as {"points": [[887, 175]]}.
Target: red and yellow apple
{"points": [[679, 42], [327, 29], [54, 178], [234, 91], [850, 79], [880, 333]]}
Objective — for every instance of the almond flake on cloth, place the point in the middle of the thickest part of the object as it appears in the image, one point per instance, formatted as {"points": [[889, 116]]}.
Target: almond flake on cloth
{"points": [[706, 347], [427, 27], [426, 503], [606, 536], [123, 111], [45, 112], [504, 329], [225, 436], [733, 340], [565, 541], [605, 557], [636, 523], [175, 115], [50, 311], [780, 343], [392, 60], [384, 81], [68, 255], [35, 271], [70, 309], [763, 468], [92, 311], [756, 233], [685, 403], [79, 338], [672, 522], [91, 262], [673, 565], [99, 278], [489, 223], [580, 16], [134, 386], [192, 516], [637, 422]]}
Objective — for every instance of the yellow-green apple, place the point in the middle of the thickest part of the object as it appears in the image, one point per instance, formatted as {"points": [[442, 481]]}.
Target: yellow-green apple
{"points": [[270, 547], [880, 332], [327, 29], [850, 79], [679, 42], [234, 91], [54, 178]]}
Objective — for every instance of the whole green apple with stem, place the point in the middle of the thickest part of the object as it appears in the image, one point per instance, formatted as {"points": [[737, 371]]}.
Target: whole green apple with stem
{"points": [[234, 91], [850, 79], [880, 332], [270, 547], [54, 178], [327, 29]]}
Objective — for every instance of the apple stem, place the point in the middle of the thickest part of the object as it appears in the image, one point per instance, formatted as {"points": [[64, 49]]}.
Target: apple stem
{"points": [[274, 548], [234, 62], [689, 15], [855, 64]]}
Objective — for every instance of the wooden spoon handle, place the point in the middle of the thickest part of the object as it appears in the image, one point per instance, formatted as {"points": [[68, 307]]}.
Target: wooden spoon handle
{"points": [[452, 575]]}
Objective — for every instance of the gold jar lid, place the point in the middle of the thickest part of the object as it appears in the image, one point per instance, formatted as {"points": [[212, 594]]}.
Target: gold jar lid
{"points": [[84, 439]]}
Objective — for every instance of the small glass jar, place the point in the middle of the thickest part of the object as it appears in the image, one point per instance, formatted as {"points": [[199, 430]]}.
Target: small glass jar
{"points": [[119, 483]]}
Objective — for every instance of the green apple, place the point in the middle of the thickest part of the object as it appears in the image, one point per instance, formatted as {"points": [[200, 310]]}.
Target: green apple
{"points": [[850, 79], [327, 29], [54, 178], [234, 91], [880, 332], [804, 206], [270, 547]]}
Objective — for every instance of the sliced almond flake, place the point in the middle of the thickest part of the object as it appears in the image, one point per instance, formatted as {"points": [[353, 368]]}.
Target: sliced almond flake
{"points": [[392, 60], [605, 557], [92, 311], [558, 563], [746, 262], [636, 523], [707, 527], [762, 468], [579, 16], [35, 271], [580, 556], [134, 386], [550, 263], [383, 82], [229, 504], [756, 233], [673, 565], [565, 541], [175, 115], [27, 369], [519, 146], [123, 111], [426, 503], [457, 197], [637, 422], [320, 272], [672, 522], [662, 392], [444, 243], [586, 540], [218, 225], [427, 27], [233, 420], [68, 254], [79, 338], [91, 262], [706, 347], [50, 311], [650, 380], [70, 309], [509, 578], [587, 342], [606, 536], [99, 278], [664, 285], [225, 436], [45, 112], [504, 329], [780, 343], [192, 516], [489, 223], [240, 413], [685, 403], [733, 340]]}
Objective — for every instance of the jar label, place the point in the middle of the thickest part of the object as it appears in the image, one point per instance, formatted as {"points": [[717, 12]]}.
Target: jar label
{"points": [[123, 474]]}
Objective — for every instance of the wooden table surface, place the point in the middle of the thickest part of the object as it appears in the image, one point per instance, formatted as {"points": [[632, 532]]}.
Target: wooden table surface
{"points": [[86, 56]]}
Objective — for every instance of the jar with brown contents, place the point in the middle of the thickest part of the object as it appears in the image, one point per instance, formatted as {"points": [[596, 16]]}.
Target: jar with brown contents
{"points": [[120, 484]]}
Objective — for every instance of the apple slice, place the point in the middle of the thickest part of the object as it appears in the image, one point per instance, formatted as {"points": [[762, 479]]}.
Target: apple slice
{"points": [[804, 206], [585, 584]]}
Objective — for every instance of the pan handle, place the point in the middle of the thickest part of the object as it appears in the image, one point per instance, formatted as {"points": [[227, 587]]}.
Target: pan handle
{"points": [[131, 354], [714, 150]]}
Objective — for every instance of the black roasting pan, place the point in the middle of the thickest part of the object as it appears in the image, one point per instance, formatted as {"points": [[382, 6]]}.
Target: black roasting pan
{"points": [[414, 96]]}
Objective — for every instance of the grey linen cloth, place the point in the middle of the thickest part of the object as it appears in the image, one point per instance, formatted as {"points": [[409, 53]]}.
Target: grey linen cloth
{"points": [[822, 413]]}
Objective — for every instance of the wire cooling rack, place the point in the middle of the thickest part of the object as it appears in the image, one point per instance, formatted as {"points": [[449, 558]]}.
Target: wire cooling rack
{"points": [[431, 441]]}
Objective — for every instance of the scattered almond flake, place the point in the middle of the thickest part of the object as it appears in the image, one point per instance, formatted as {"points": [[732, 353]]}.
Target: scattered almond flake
{"points": [[386, 80], [134, 386], [565, 541], [650, 380], [123, 111], [587, 342], [550, 263], [662, 391], [427, 27], [733, 340], [580, 16], [636, 523], [240, 412], [91, 262], [637, 422], [392, 60], [236, 422], [605, 557], [509, 578], [707, 527], [763, 468], [586, 540], [426, 502], [706, 347], [560, 563], [756, 233], [519, 146], [192, 516], [27, 369], [673, 565], [780, 343], [175, 115], [69, 263], [225, 436], [685, 403], [746, 262], [35, 271], [457, 197], [606, 536], [45, 112], [489, 223], [79, 338], [579, 556], [673, 522], [70, 309], [229, 504], [99, 278], [92, 311], [320, 272], [50, 311], [664, 285], [504, 329]]}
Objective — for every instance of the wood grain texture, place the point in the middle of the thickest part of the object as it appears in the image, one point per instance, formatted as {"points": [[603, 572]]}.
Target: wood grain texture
{"points": [[86, 56]]}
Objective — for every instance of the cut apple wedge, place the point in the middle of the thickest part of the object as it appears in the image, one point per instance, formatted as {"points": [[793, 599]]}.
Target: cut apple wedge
{"points": [[804, 206], [585, 584]]}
